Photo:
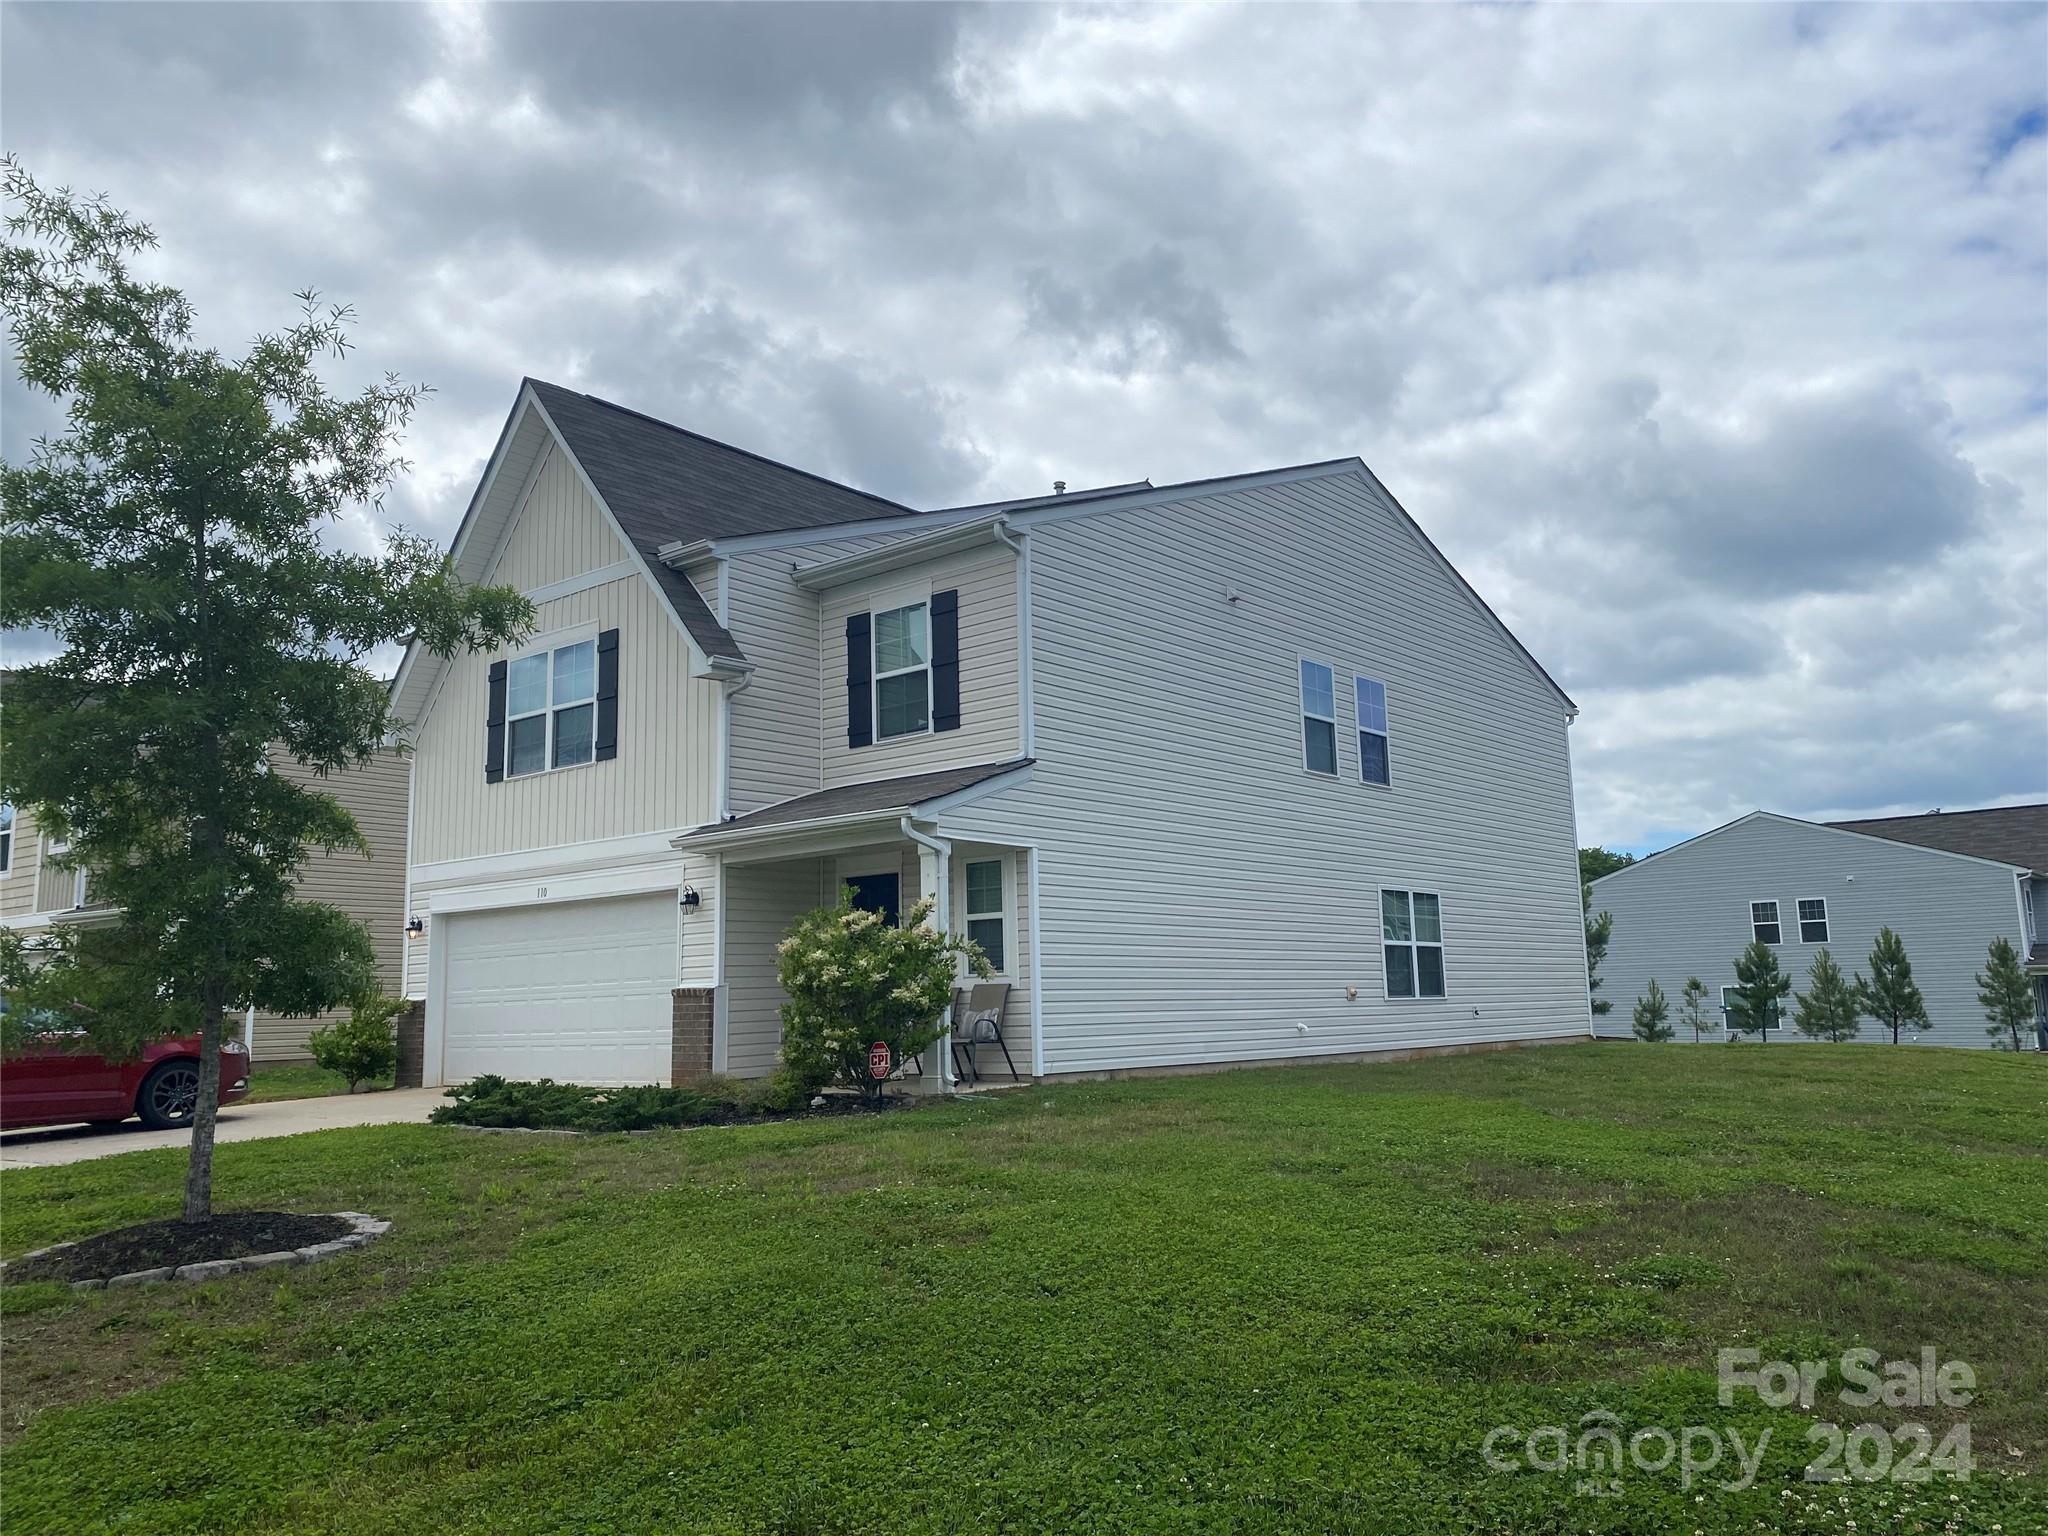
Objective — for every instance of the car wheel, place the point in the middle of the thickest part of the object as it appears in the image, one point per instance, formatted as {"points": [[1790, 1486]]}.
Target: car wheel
{"points": [[169, 1095]]}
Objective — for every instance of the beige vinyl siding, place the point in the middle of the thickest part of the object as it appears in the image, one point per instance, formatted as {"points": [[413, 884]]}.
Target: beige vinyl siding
{"points": [[1203, 897], [987, 582], [18, 883], [764, 899], [371, 890], [666, 772], [559, 532], [777, 720]]}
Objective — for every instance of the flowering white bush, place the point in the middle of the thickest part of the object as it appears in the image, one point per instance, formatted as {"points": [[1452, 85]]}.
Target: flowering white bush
{"points": [[854, 979]]}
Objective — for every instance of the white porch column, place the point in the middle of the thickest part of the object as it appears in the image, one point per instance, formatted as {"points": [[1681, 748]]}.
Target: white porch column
{"points": [[935, 882]]}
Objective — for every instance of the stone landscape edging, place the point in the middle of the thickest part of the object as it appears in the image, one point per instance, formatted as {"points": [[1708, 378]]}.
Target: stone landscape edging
{"points": [[366, 1228]]}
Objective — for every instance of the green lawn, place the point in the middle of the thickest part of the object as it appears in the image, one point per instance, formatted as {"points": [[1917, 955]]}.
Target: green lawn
{"points": [[273, 1080], [1258, 1301]]}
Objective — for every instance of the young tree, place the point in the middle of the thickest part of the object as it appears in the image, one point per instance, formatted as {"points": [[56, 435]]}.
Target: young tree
{"points": [[1826, 1010], [1756, 1004], [1599, 930], [2007, 995], [169, 540], [1652, 1015], [1692, 1008], [1890, 995]]}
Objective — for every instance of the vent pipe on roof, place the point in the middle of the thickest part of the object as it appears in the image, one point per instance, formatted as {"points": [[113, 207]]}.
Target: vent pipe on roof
{"points": [[1059, 487]]}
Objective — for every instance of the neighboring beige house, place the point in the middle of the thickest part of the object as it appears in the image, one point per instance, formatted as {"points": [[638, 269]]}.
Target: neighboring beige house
{"points": [[37, 889]]}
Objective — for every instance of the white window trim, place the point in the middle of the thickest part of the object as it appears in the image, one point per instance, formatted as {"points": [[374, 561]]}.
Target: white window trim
{"points": [[1387, 736], [1442, 943], [889, 602], [1777, 922], [547, 645], [55, 848], [1826, 925], [1302, 712], [1006, 909], [7, 835]]}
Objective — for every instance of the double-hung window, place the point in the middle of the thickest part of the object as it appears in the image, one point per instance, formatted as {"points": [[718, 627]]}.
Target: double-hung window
{"points": [[985, 912], [1813, 920], [903, 671], [1318, 717], [1412, 943], [1373, 764], [551, 709], [1763, 922]]}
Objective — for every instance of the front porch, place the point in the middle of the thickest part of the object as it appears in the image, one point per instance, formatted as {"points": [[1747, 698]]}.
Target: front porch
{"points": [[775, 868]]}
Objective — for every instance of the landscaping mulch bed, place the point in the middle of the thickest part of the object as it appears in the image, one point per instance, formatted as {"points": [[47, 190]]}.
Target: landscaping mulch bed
{"points": [[155, 1244]]}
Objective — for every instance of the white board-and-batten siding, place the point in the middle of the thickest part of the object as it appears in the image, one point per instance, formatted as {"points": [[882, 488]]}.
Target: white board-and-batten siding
{"points": [[1686, 912], [1204, 897]]}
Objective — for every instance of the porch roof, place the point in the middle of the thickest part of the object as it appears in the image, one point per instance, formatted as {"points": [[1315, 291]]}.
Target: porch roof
{"points": [[871, 800]]}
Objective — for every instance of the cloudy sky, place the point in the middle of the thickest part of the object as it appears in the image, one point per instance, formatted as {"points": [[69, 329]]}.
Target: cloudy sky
{"points": [[1710, 342]]}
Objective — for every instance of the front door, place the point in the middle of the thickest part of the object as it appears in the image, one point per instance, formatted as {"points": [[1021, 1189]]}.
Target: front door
{"points": [[881, 893]]}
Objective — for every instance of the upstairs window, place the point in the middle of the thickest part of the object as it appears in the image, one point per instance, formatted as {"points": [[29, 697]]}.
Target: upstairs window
{"points": [[1412, 943], [985, 924], [6, 837], [1813, 920], [1763, 922], [551, 709], [903, 671], [1373, 764], [1318, 718]]}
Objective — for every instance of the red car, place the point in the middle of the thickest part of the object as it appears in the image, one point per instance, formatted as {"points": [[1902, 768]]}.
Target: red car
{"points": [[50, 1085]]}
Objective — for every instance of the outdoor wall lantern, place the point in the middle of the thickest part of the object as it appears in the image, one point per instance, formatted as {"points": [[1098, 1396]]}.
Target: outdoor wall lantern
{"points": [[416, 929], [690, 901]]}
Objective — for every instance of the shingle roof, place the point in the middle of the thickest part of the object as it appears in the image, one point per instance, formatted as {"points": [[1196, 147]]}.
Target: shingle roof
{"points": [[2006, 834], [666, 485], [876, 795]]}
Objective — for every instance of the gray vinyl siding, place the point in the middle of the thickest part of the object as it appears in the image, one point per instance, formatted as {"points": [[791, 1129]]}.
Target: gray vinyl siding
{"points": [[1686, 913], [762, 901], [1203, 897]]}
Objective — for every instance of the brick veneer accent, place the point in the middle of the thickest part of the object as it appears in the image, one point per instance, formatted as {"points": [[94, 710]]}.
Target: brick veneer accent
{"points": [[690, 1017], [411, 1025]]}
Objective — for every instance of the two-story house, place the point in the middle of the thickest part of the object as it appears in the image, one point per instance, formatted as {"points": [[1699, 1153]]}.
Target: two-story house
{"points": [[40, 887], [1236, 770]]}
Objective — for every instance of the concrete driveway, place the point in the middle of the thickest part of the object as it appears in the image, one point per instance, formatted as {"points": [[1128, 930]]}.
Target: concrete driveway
{"points": [[55, 1144]]}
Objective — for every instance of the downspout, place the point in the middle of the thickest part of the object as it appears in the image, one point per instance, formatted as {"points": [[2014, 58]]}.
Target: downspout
{"points": [[1027, 730], [942, 856]]}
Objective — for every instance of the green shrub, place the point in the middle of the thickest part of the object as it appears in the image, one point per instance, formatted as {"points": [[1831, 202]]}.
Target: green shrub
{"points": [[363, 1046], [853, 978], [551, 1106]]}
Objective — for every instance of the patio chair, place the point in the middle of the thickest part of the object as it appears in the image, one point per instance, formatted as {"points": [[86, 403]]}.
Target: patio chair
{"points": [[978, 1020]]}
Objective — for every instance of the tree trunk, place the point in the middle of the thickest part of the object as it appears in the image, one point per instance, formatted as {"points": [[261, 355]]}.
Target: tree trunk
{"points": [[199, 1169]]}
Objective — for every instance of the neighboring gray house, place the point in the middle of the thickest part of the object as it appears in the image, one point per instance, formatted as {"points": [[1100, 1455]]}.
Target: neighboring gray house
{"points": [[1236, 770], [1947, 883]]}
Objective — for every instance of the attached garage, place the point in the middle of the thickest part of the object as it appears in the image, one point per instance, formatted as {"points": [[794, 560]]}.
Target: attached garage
{"points": [[578, 991]]}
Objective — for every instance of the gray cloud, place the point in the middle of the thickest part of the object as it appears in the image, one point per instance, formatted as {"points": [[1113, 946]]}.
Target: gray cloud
{"points": [[1710, 343]]}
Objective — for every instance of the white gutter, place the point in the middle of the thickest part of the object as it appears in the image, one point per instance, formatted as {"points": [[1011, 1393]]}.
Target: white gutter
{"points": [[942, 857], [827, 574], [1027, 729]]}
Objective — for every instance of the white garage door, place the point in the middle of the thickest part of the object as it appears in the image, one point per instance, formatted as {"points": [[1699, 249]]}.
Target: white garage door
{"points": [[577, 991]]}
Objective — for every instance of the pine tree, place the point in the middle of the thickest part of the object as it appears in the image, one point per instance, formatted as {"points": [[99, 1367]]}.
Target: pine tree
{"points": [[1652, 1015], [1692, 1008], [1827, 1009], [1890, 995], [2007, 995], [169, 542], [1598, 931], [1756, 1004]]}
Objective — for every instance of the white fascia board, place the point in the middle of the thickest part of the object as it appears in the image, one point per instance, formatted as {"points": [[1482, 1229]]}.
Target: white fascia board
{"points": [[904, 552], [1015, 778], [827, 533], [751, 839], [587, 885], [562, 858], [1193, 490], [678, 553]]}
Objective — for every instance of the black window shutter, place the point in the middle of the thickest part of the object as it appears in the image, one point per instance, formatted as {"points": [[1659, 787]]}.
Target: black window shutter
{"points": [[607, 744], [494, 727], [860, 677], [946, 661]]}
